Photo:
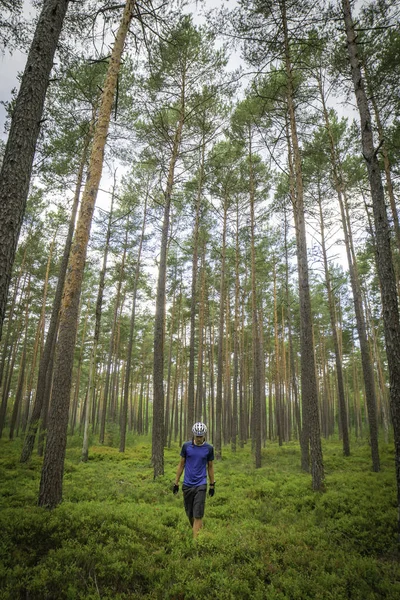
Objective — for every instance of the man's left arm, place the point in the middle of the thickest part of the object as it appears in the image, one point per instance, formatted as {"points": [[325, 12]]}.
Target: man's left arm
{"points": [[211, 479]]}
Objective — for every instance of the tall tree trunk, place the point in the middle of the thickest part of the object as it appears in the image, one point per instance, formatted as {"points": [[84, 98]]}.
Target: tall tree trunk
{"points": [[159, 321], [50, 493], [338, 358], [193, 302], [39, 342], [36, 347], [21, 144], [308, 377], [18, 325], [112, 347], [227, 376], [131, 335], [96, 335], [21, 373], [278, 410], [11, 322], [386, 160], [385, 267], [77, 390], [116, 368], [368, 374], [290, 340], [255, 326], [200, 362], [305, 429], [46, 360], [212, 384], [182, 413], [381, 383], [171, 343], [236, 336], [285, 380], [263, 407], [173, 426], [140, 419], [243, 426], [220, 363], [19, 393], [147, 416]]}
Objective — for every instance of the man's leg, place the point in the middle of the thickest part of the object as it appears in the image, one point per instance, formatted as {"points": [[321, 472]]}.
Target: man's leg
{"points": [[188, 498], [197, 525], [198, 509]]}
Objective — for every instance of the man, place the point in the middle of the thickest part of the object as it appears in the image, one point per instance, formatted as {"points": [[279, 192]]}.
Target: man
{"points": [[197, 458]]}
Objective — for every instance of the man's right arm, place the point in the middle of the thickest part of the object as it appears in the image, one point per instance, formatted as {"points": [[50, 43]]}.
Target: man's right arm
{"points": [[179, 470]]}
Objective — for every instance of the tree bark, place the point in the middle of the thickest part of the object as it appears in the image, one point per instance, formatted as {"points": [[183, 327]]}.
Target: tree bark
{"points": [[338, 359], [305, 426], [255, 326], [386, 161], [193, 302], [200, 362], [384, 258], [112, 346], [21, 373], [50, 493], [171, 343], [96, 336], [10, 325], [159, 321], [308, 377], [17, 328], [277, 385], [368, 373], [236, 348], [290, 340], [21, 144], [131, 335], [46, 361], [227, 405], [220, 359]]}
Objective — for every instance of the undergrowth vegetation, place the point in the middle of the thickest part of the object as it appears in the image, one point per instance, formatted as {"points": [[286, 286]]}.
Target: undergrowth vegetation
{"points": [[121, 535]]}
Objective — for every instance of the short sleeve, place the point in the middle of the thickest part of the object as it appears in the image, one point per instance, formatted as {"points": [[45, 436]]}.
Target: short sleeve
{"points": [[210, 455], [183, 451]]}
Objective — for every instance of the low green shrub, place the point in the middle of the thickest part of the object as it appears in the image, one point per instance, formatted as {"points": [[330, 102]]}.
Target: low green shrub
{"points": [[119, 534]]}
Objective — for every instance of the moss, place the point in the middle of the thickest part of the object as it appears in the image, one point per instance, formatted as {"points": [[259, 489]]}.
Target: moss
{"points": [[119, 534]]}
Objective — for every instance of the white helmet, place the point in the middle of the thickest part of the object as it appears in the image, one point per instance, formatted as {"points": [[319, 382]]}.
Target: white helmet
{"points": [[199, 429]]}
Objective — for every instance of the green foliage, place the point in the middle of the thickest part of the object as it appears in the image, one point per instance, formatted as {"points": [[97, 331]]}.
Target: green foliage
{"points": [[119, 534], [12, 27]]}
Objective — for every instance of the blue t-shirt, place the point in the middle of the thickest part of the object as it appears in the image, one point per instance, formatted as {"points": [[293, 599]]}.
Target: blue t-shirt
{"points": [[196, 458]]}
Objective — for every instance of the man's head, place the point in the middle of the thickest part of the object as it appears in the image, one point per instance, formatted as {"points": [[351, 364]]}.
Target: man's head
{"points": [[199, 431]]}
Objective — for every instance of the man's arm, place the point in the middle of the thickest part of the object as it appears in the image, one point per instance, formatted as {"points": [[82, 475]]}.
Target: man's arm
{"points": [[210, 466], [179, 470]]}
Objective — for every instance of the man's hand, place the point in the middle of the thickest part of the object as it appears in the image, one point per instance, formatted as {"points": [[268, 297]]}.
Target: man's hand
{"points": [[211, 490], [175, 489]]}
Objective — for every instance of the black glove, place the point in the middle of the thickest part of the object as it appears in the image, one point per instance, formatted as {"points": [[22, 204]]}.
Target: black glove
{"points": [[211, 491], [175, 489]]}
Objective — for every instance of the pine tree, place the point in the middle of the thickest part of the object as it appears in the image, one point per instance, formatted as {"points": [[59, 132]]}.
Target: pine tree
{"points": [[18, 157], [52, 473], [382, 237]]}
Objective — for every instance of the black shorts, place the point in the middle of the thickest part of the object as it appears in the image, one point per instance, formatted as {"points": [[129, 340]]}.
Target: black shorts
{"points": [[194, 499]]}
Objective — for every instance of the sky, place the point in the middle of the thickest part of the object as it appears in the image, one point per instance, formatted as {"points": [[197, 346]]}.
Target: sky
{"points": [[10, 66]]}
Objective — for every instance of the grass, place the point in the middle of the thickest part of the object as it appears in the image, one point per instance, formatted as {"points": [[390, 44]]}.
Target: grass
{"points": [[121, 535]]}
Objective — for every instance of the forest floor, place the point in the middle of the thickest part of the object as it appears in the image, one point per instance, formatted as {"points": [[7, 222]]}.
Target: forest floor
{"points": [[121, 535]]}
